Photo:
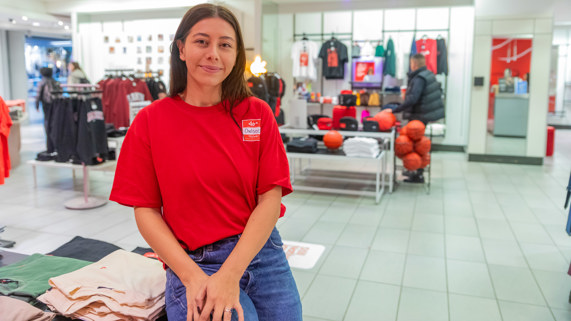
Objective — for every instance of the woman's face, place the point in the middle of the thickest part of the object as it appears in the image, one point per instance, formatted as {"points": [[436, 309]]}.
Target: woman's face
{"points": [[209, 52]]}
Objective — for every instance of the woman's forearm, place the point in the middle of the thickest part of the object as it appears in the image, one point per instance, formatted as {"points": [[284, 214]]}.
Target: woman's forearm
{"points": [[256, 233], [161, 239]]}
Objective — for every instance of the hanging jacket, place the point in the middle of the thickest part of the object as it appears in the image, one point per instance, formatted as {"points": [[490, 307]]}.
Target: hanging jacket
{"points": [[390, 59]]}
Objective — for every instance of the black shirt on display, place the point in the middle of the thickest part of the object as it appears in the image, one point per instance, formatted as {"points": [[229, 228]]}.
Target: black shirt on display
{"points": [[442, 57], [334, 56]]}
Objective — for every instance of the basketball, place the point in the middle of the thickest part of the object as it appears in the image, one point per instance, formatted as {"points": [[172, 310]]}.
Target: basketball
{"points": [[415, 129], [386, 120], [332, 139], [425, 160], [403, 146], [412, 161], [422, 146], [403, 131]]}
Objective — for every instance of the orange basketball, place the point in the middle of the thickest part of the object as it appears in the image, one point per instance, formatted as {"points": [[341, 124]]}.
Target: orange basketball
{"points": [[422, 146], [403, 146], [332, 139], [415, 129], [386, 120], [412, 161], [403, 131], [425, 160]]}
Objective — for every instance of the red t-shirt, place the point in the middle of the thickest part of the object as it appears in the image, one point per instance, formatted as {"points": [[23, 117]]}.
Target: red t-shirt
{"points": [[427, 47], [203, 170]]}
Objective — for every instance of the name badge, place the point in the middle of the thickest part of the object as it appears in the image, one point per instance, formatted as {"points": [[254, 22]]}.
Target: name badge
{"points": [[251, 129]]}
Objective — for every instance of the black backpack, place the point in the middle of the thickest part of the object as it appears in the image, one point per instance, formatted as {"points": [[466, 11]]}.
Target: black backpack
{"points": [[47, 88], [269, 88]]}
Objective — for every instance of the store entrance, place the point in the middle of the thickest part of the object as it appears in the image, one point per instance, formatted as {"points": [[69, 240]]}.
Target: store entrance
{"points": [[40, 53]]}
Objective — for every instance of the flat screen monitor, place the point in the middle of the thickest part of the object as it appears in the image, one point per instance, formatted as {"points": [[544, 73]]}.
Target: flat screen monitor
{"points": [[367, 72]]}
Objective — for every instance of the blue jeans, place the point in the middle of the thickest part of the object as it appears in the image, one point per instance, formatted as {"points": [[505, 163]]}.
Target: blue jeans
{"points": [[267, 289]]}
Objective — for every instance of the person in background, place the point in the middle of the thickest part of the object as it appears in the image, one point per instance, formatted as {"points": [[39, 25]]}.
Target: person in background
{"points": [[76, 74], [205, 170], [44, 96], [423, 101]]}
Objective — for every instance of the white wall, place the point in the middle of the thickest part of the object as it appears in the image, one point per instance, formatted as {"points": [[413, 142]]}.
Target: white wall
{"points": [[17, 61], [485, 30], [5, 71], [562, 39], [459, 82]]}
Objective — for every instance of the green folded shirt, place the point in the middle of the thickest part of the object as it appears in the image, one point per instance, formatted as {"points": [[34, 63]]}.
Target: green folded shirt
{"points": [[30, 276]]}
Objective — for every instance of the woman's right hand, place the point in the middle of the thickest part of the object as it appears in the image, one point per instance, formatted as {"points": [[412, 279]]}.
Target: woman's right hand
{"points": [[192, 288]]}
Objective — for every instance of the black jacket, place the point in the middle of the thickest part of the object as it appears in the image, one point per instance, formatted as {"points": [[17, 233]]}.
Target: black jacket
{"points": [[423, 100]]}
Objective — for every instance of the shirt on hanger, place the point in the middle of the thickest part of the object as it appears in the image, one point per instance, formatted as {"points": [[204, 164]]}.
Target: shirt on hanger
{"points": [[427, 47], [390, 59], [303, 54], [334, 55], [380, 51], [367, 50], [355, 51], [442, 58]]}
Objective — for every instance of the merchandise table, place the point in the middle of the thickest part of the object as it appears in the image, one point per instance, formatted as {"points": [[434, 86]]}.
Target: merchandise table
{"points": [[85, 202], [387, 152]]}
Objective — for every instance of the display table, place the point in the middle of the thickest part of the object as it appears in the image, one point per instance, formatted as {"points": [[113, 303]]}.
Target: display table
{"points": [[383, 175], [510, 114], [85, 202]]}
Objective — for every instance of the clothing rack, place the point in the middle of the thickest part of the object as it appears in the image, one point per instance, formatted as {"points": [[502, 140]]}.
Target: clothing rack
{"points": [[369, 40], [85, 92]]}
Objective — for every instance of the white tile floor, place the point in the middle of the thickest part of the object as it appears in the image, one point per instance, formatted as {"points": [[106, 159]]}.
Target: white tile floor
{"points": [[488, 243]]}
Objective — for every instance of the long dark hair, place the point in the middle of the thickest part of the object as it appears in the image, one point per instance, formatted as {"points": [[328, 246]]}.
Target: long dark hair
{"points": [[234, 87]]}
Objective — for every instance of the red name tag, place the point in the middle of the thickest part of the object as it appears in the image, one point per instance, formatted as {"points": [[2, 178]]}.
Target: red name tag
{"points": [[251, 129]]}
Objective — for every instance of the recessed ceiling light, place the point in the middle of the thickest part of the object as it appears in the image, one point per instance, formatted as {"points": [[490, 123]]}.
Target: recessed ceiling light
{"points": [[60, 23], [66, 27], [12, 21], [36, 24], [24, 18]]}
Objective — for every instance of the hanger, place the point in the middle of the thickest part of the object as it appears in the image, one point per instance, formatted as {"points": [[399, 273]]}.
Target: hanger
{"points": [[424, 36], [304, 37]]}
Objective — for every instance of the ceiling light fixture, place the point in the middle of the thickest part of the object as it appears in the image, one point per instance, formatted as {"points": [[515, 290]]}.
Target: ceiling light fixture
{"points": [[60, 23], [36, 24], [24, 18], [12, 21], [66, 27]]}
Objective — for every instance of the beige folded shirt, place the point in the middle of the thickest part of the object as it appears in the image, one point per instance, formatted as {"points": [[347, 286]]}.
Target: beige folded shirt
{"points": [[127, 277], [15, 310]]}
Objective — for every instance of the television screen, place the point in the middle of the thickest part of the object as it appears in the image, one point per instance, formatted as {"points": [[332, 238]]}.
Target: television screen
{"points": [[367, 72]]}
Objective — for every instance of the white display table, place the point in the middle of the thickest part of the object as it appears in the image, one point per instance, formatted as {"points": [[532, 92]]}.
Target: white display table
{"points": [[79, 203], [383, 176]]}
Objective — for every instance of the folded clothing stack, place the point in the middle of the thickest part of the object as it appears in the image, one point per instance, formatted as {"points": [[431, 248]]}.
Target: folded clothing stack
{"points": [[120, 286], [361, 147], [302, 145]]}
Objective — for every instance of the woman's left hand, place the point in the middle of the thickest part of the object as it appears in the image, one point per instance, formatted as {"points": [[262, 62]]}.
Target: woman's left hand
{"points": [[220, 294]]}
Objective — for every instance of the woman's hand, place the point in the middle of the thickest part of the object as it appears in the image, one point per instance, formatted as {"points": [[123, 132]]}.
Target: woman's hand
{"points": [[220, 294], [192, 290]]}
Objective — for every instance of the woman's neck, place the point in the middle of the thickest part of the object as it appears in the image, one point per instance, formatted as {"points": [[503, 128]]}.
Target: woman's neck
{"points": [[201, 96]]}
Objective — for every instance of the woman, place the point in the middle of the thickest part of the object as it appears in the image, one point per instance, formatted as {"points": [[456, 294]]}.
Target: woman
{"points": [[76, 74], [212, 158]]}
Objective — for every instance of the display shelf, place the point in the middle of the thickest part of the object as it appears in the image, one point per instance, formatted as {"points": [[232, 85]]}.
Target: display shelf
{"points": [[385, 159], [336, 176]]}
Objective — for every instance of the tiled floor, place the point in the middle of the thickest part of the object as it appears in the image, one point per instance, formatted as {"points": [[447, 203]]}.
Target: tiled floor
{"points": [[487, 244]]}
